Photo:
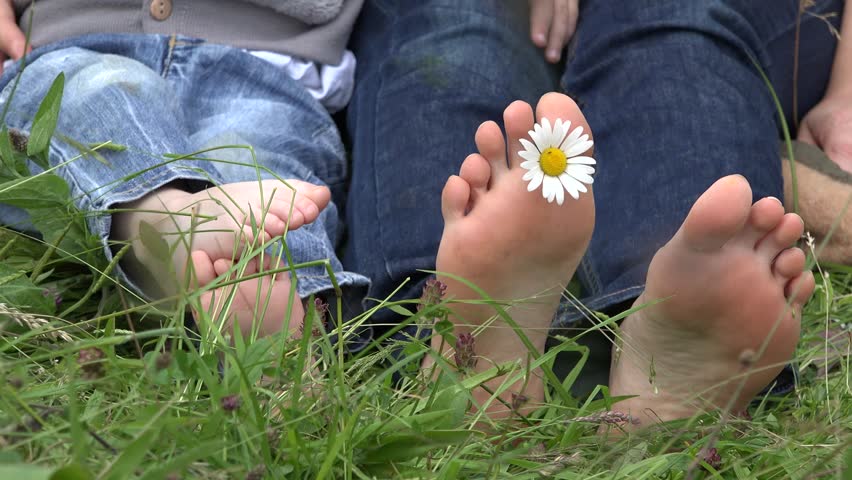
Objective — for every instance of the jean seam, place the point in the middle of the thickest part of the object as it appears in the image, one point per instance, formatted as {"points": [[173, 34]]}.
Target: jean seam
{"points": [[591, 275], [167, 62]]}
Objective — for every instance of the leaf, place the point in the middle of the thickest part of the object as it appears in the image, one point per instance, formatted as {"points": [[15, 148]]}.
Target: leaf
{"points": [[7, 154], [75, 471], [46, 118], [85, 150], [24, 472], [181, 462], [400, 310], [10, 457], [406, 446], [47, 199], [154, 242], [19, 291], [133, 454], [40, 191]]}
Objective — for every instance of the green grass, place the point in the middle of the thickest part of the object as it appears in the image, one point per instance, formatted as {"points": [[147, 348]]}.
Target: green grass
{"points": [[97, 383]]}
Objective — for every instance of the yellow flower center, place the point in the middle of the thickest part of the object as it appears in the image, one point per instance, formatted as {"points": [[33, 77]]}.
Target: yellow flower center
{"points": [[553, 162]]}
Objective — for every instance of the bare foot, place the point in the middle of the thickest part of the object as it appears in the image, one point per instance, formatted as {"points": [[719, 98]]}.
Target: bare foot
{"points": [[209, 230], [823, 190], [511, 243], [725, 279]]}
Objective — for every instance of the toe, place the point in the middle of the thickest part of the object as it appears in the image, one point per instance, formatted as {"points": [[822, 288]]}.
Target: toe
{"points": [[492, 146], [251, 237], [308, 209], [784, 235], [765, 215], [320, 195], [223, 266], [476, 172], [790, 263], [800, 288], [272, 224], [519, 120], [718, 214], [553, 106], [203, 269], [455, 198]]}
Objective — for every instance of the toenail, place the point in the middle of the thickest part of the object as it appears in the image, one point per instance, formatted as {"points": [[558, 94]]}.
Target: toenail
{"points": [[747, 357], [777, 200]]}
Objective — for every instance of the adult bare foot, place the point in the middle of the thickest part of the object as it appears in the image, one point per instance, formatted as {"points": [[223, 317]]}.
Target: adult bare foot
{"points": [[731, 291], [511, 243], [207, 232]]}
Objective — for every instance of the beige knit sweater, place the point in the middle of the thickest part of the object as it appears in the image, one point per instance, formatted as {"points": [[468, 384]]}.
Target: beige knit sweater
{"points": [[312, 29]]}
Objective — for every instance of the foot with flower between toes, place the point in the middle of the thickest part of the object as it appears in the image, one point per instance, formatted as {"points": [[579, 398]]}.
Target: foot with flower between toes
{"points": [[731, 287]]}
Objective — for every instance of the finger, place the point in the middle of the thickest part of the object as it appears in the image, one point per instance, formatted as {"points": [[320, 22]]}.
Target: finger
{"points": [[12, 39], [805, 135], [558, 30], [541, 14], [573, 16]]}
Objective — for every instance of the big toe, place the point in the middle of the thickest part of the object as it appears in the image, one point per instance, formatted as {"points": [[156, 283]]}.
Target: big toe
{"points": [[321, 195], [556, 106], [718, 215]]}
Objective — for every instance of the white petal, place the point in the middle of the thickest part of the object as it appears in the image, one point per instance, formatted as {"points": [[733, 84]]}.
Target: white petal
{"points": [[553, 186], [560, 195], [530, 156], [537, 136], [587, 169], [571, 138], [558, 133], [578, 148], [580, 176], [582, 160], [531, 164], [572, 186], [536, 180], [528, 146], [545, 186], [532, 173]]}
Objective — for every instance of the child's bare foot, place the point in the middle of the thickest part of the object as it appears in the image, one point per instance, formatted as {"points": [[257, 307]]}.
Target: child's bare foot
{"points": [[726, 279], [209, 230], [511, 243]]}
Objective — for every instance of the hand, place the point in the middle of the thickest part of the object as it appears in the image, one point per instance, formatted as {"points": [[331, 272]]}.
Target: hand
{"points": [[552, 24], [829, 126], [12, 39]]}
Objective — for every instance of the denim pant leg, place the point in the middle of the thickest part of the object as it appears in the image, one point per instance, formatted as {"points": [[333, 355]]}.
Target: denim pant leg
{"points": [[106, 98], [230, 97], [675, 102], [429, 72]]}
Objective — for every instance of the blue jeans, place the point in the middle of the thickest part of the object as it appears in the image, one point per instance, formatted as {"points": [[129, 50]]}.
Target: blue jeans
{"points": [[429, 72], [170, 95], [666, 85]]}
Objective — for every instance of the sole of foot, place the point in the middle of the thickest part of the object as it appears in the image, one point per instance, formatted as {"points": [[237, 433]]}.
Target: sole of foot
{"points": [[207, 232], [729, 289], [514, 245]]}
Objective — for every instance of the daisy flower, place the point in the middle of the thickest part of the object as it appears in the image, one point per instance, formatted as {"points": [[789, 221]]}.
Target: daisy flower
{"points": [[554, 162]]}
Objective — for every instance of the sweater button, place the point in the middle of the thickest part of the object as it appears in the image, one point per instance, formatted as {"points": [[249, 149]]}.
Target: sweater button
{"points": [[161, 9]]}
